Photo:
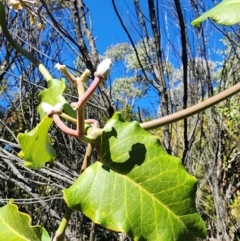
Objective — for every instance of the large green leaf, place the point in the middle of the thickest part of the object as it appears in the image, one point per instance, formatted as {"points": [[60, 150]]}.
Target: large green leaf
{"points": [[225, 13], [36, 146], [137, 188], [15, 226]]}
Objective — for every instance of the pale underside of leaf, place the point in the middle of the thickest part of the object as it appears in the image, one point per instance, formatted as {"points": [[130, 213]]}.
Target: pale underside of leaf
{"points": [[225, 13], [36, 145]]}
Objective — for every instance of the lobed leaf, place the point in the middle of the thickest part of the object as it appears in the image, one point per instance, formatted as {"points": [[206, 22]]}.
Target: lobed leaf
{"points": [[137, 188], [225, 13], [36, 146], [15, 226]]}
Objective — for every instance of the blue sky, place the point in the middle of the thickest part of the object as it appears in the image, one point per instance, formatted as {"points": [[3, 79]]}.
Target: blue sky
{"points": [[108, 31], [106, 26]]}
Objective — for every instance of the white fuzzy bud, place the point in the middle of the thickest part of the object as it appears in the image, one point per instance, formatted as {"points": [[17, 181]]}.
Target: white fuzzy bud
{"points": [[59, 66], [104, 68], [47, 108], [58, 107]]}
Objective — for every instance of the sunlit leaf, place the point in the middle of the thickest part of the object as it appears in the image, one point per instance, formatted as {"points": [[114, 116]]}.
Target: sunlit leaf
{"points": [[52, 95], [16, 226], [137, 188], [15, 5], [36, 146], [41, 25], [226, 12], [32, 19]]}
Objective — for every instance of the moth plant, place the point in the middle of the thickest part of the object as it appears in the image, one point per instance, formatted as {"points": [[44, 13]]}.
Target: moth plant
{"points": [[134, 187]]}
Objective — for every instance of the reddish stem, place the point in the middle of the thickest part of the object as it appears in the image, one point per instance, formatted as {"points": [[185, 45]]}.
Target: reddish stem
{"points": [[86, 96], [63, 127], [79, 132], [82, 102]]}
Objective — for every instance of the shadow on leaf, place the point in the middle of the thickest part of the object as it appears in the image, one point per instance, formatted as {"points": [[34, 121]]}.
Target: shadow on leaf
{"points": [[137, 155]]}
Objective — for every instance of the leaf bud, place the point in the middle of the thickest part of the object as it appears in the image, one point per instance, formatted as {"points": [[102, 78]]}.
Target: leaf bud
{"points": [[59, 66], [47, 108], [58, 108], [104, 68]]}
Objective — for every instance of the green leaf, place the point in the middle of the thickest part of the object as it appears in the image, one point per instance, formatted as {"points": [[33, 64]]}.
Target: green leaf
{"points": [[137, 188], [225, 13], [53, 95], [36, 146], [15, 226]]}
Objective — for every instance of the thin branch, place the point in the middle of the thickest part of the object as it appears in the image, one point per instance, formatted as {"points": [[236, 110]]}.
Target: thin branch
{"points": [[22, 51], [131, 40], [185, 72]]}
